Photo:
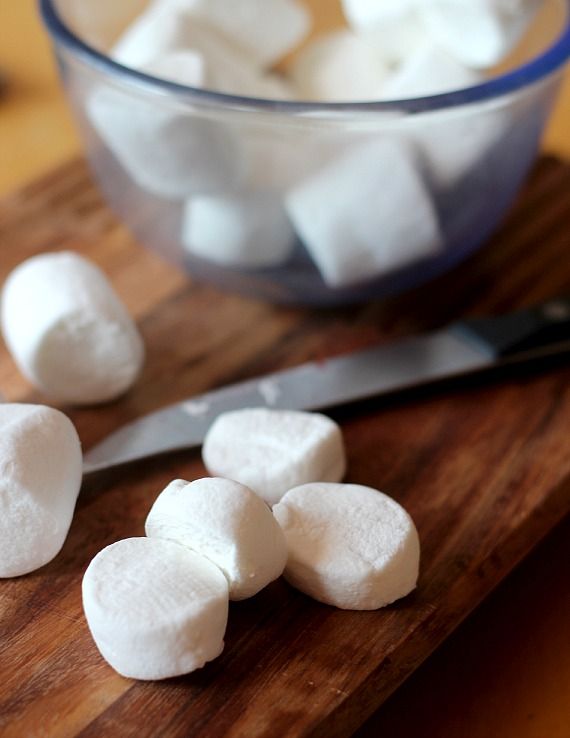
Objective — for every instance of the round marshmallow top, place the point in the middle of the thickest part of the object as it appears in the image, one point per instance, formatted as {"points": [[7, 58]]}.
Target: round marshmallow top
{"points": [[228, 524], [271, 451], [349, 546], [40, 465], [68, 331], [154, 608]]}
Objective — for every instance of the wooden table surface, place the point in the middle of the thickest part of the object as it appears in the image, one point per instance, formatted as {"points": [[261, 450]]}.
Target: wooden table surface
{"points": [[506, 672]]}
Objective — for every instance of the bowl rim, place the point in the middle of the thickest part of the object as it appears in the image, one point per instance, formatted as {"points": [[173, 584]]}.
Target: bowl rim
{"points": [[536, 69]]}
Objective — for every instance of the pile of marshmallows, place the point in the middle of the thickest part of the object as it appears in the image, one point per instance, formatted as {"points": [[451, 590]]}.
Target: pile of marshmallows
{"points": [[359, 196], [157, 606]]}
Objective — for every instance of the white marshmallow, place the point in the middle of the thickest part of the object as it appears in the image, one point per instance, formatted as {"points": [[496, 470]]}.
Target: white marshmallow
{"points": [[170, 151], [226, 523], [366, 214], [68, 331], [40, 459], [339, 67], [154, 608], [183, 67], [100, 23], [349, 546], [478, 32], [429, 71], [264, 29], [249, 230], [271, 451], [393, 26]]}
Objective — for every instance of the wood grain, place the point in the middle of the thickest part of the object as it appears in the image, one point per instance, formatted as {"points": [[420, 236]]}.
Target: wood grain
{"points": [[482, 466]]}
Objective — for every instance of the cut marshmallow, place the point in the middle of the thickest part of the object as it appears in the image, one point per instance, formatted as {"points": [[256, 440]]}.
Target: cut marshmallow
{"points": [[480, 33], [339, 67], [271, 451], [169, 151], [154, 608], [68, 331], [228, 524], [265, 29], [349, 546], [41, 467], [429, 71], [366, 214], [247, 230], [393, 26]]}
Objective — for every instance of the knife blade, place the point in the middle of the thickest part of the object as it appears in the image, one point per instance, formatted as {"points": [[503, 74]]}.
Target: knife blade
{"points": [[463, 348]]}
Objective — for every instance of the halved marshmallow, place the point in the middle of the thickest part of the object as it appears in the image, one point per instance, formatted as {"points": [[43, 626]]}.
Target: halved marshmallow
{"points": [[339, 67], [248, 230], [429, 71], [264, 29], [366, 214], [349, 546], [271, 451], [155, 609], [228, 524], [393, 26], [68, 331], [478, 32], [167, 149], [40, 462]]}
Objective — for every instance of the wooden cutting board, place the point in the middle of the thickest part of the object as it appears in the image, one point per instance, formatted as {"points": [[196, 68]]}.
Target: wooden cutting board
{"points": [[483, 466]]}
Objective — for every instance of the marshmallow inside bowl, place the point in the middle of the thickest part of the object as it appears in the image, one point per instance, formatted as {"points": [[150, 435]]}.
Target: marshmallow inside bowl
{"points": [[274, 99]]}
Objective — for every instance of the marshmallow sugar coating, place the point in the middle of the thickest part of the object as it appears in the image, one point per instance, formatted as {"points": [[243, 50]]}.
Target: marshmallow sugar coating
{"points": [[68, 331], [271, 451], [154, 608], [349, 546], [228, 524], [40, 477]]}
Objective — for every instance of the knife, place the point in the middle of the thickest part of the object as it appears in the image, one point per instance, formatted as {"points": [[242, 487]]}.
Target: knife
{"points": [[463, 348]]}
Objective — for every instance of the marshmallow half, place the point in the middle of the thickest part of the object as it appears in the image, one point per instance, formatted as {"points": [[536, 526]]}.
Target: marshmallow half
{"points": [[349, 546], [271, 451], [228, 524], [41, 469], [154, 608], [366, 214], [68, 331], [249, 230]]}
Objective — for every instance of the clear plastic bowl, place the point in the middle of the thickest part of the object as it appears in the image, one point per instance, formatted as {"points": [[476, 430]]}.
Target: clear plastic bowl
{"points": [[471, 151]]}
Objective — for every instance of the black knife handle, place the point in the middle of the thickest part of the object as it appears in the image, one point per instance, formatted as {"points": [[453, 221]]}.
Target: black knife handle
{"points": [[527, 331]]}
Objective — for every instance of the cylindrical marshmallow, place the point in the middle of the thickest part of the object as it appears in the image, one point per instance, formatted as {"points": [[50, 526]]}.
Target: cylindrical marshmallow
{"points": [[349, 546], [68, 331], [271, 451], [228, 524], [249, 230], [154, 608], [41, 462], [366, 214]]}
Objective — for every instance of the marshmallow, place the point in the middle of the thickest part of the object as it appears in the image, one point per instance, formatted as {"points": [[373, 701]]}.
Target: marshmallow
{"points": [[393, 26], [264, 29], [349, 546], [248, 230], [100, 23], [271, 451], [41, 463], [154, 608], [429, 71], [68, 331], [170, 151], [226, 523], [339, 67], [366, 214], [480, 33]]}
